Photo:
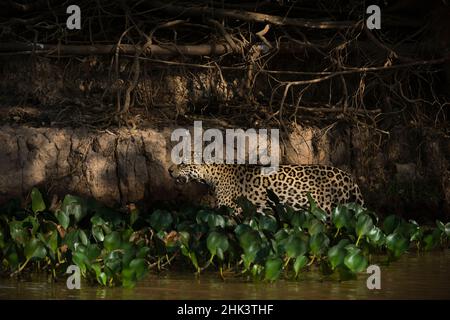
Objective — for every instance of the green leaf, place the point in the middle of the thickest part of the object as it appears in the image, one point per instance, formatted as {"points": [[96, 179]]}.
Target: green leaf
{"points": [[73, 205], [160, 220], [52, 242], [215, 220], [102, 278], [63, 218], [139, 268], [417, 231], [363, 225], [112, 241], [447, 229], [217, 241], [273, 269], [299, 263], [249, 238], [300, 219], [340, 217], [18, 233], [268, 222], [83, 238], [97, 221], [355, 261], [97, 232], [317, 212], [390, 224], [35, 249], [315, 227], [318, 243], [397, 244], [432, 240], [37, 203], [294, 246], [336, 256], [80, 260], [376, 236], [440, 225]]}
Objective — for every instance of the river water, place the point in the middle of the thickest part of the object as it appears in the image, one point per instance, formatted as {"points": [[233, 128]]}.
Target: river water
{"points": [[414, 276]]}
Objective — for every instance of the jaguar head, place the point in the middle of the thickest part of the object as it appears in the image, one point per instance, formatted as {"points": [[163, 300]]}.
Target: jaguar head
{"points": [[183, 173]]}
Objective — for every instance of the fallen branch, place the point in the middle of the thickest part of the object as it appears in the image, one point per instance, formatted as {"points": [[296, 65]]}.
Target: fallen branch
{"points": [[252, 16], [149, 50]]}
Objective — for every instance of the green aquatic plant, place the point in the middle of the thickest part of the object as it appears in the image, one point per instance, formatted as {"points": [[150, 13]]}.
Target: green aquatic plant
{"points": [[121, 246]]}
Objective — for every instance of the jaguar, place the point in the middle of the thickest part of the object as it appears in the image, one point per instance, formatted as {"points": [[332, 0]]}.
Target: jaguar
{"points": [[327, 185]]}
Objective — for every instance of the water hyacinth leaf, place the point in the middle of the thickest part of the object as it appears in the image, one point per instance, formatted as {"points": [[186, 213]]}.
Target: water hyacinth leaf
{"points": [[299, 263], [300, 219], [417, 232], [92, 252], [63, 218], [215, 220], [432, 240], [315, 227], [355, 261], [447, 229], [37, 202], [397, 244], [318, 243], [336, 256], [97, 221], [217, 241], [376, 236], [202, 216], [363, 225], [31, 223], [391, 223], [83, 237], [35, 249], [80, 260], [18, 233], [294, 246], [317, 212], [142, 252], [440, 225], [73, 205], [273, 269], [97, 232], [102, 278], [248, 208], [340, 217], [52, 241], [139, 268], [249, 238], [160, 220], [356, 208], [268, 222], [112, 241], [184, 237], [444, 228]]}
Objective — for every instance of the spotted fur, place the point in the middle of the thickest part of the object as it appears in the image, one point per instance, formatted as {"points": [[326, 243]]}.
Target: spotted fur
{"points": [[328, 186]]}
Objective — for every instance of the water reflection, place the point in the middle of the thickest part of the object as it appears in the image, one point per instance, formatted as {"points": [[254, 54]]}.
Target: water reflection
{"points": [[414, 276]]}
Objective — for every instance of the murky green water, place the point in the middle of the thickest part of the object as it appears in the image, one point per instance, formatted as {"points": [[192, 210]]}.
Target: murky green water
{"points": [[414, 276]]}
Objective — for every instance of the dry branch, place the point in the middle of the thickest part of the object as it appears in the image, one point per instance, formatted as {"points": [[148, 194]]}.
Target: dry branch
{"points": [[158, 50], [252, 16]]}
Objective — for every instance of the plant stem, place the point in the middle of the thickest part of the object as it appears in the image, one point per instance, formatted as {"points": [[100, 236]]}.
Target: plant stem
{"points": [[337, 232], [21, 267], [357, 241]]}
